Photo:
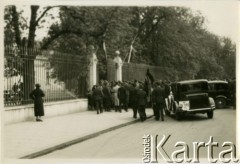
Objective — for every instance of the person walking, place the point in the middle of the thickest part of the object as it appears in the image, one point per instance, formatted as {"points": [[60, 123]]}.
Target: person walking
{"points": [[141, 102], [158, 101], [37, 95]]}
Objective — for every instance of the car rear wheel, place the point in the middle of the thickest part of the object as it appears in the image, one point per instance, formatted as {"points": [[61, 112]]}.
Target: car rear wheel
{"points": [[210, 114], [220, 103]]}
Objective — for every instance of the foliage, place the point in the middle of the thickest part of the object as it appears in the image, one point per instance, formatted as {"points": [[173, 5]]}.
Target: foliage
{"points": [[174, 38]]}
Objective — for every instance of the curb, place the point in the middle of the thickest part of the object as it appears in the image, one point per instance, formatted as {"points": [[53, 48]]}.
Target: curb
{"points": [[78, 140]]}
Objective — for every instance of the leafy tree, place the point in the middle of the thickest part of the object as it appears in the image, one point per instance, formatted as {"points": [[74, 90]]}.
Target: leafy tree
{"points": [[174, 38]]}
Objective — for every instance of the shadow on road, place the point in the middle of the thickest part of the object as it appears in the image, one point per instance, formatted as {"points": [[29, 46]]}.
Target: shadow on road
{"points": [[191, 117]]}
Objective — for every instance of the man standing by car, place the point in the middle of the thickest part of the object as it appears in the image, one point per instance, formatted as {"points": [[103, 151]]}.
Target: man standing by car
{"points": [[158, 101]]}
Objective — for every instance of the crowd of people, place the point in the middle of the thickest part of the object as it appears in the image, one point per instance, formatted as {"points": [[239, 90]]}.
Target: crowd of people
{"points": [[120, 96]]}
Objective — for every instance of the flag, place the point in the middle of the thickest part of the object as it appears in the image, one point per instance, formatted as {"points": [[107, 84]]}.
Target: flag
{"points": [[104, 48]]}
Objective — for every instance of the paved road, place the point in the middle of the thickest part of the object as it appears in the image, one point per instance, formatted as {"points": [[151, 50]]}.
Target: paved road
{"points": [[125, 144]]}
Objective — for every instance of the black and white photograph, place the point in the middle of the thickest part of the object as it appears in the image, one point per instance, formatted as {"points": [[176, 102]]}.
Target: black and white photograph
{"points": [[119, 82]]}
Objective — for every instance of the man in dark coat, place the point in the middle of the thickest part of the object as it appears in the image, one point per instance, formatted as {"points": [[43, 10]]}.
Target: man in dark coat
{"points": [[133, 99], [37, 95], [148, 83], [107, 96], [98, 99], [141, 102], [158, 101], [122, 97]]}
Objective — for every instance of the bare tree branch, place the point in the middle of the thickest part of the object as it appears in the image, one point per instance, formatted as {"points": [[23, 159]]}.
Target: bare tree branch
{"points": [[44, 12]]}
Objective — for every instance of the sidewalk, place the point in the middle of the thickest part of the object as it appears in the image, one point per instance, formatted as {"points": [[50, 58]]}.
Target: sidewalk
{"points": [[31, 139]]}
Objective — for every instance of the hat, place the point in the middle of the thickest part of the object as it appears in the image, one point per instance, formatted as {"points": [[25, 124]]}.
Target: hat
{"points": [[38, 85]]}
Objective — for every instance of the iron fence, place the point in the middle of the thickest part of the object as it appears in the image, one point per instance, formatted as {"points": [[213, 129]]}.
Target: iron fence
{"points": [[62, 76], [136, 71]]}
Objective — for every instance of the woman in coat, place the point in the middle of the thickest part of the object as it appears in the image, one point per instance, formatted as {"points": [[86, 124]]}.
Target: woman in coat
{"points": [[37, 95], [115, 97]]}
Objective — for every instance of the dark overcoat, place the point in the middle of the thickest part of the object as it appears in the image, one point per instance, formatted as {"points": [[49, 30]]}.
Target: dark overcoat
{"points": [[141, 97], [158, 95], [37, 95]]}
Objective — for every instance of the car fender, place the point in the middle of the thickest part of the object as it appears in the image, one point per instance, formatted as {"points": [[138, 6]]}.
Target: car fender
{"points": [[176, 106], [221, 96], [212, 102]]}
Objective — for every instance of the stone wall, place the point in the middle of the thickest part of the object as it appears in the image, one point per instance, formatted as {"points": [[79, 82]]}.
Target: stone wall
{"points": [[26, 113]]}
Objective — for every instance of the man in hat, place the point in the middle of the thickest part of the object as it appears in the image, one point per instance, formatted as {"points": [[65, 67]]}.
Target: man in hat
{"points": [[141, 103], [158, 101], [37, 95]]}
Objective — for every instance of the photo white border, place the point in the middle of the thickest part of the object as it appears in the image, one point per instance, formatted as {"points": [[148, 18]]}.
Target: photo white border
{"points": [[3, 3]]}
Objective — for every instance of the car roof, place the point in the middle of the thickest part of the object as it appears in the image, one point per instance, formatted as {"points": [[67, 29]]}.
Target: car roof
{"points": [[218, 81], [192, 81]]}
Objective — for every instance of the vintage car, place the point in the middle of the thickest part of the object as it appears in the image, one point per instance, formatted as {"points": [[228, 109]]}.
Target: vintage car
{"points": [[220, 92], [189, 97]]}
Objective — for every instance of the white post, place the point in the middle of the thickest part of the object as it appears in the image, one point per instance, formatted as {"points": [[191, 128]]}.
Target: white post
{"points": [[118, 65], [93, 70]]}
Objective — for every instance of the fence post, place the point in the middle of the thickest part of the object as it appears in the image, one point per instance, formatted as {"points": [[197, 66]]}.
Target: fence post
{"points": [[118, 66], [93, 70]]}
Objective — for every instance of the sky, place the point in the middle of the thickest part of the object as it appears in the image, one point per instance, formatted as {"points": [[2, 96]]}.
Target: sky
{"points": [[222, 15]]}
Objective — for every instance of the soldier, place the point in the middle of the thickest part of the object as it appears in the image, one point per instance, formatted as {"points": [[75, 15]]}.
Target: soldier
{"points": [[141, 103], [158, 101]]}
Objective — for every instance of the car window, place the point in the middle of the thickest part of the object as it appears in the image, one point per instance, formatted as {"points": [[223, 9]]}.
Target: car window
{"points": [[222, 87], [194, 87], [211, 86]]}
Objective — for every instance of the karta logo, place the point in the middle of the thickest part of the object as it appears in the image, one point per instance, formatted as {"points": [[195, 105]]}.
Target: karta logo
{"points": [[153, 149]]}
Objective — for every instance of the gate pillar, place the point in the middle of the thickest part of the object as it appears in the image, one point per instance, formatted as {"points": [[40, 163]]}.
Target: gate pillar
{"points": [[93, 70], [118, 67]]}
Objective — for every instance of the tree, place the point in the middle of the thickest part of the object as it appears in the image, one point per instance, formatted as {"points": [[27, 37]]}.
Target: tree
{"points": [[15, 24], [174, 38]]}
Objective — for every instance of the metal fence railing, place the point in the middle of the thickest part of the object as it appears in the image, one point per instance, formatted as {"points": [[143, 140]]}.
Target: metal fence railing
{"points": [[61, 76], [136, 71]]}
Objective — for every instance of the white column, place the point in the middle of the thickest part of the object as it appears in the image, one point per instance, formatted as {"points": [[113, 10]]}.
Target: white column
{"points": [[93, 70], [118, 65]]}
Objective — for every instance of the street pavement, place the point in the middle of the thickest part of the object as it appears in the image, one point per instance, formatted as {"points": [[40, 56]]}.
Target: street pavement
{"points": [[32, 139], [126, 144]]}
